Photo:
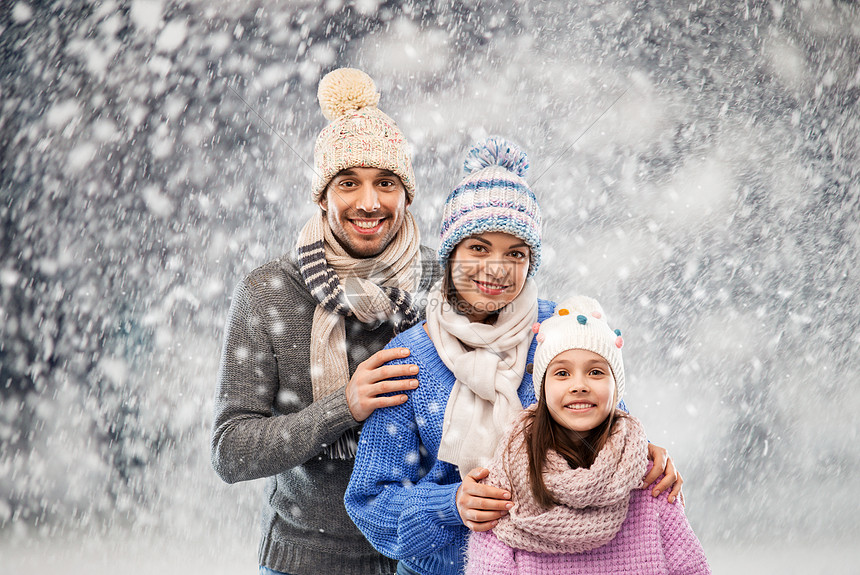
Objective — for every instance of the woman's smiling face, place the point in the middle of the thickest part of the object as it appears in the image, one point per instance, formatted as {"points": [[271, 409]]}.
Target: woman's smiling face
{"points": [[488, 271]]}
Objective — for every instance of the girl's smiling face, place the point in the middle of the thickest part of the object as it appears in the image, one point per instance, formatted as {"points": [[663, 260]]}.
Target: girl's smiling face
{"points": [[488, 271], [580, 389]]}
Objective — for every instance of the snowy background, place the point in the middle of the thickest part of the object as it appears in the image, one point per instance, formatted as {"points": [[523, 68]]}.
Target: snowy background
{"points": [[154, 151]]}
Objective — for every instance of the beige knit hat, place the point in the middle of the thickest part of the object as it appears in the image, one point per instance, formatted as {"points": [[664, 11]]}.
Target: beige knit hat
{"points": [[359, 135], [578, 323]]}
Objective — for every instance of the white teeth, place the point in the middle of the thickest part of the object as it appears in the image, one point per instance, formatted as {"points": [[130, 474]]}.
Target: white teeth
{"points": [[366, 224], [492, 286], [579, 406]]}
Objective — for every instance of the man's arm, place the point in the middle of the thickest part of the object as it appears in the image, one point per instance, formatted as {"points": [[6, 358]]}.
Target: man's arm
{"points": [[249, 440]]}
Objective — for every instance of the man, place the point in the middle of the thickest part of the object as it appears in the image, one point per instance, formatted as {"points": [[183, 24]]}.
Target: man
{"points": [[301, 365]]}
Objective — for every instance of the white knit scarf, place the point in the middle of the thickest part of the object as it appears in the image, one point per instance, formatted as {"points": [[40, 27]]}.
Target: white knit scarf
{"points": [[372, 290], [593, 501], [488, 362]]}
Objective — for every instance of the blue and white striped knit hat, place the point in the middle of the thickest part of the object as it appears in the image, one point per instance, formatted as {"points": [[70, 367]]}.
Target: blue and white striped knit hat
{"points": [[493, 197]]}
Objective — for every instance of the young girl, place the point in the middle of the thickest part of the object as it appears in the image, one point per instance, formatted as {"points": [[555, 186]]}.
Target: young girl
{"points": [[471, 354], [574, 463]]}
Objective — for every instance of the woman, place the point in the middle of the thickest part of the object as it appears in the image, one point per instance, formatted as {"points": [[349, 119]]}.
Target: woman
{"points": [[409, 492]]}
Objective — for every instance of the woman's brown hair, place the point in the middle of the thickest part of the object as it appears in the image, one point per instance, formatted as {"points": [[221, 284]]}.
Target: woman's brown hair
{"points": [[542, 433]]}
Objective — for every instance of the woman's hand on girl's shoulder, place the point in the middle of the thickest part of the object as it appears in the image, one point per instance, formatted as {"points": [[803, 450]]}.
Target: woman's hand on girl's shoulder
{"points": [[663, 465], [481, 506]]}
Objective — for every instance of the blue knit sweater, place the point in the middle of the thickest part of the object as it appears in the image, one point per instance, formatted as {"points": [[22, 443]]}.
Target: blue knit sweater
{"points": [[400, 495]]}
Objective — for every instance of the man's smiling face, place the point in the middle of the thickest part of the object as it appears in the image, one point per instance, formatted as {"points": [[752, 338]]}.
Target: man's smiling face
{"points": [[365, 208]]}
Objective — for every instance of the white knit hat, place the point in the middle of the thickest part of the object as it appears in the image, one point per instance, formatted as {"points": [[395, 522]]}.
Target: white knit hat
{"points": [[578, 323]]}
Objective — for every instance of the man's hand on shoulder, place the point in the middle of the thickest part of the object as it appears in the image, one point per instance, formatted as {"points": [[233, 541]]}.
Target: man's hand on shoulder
{"points": [[372, 378]]}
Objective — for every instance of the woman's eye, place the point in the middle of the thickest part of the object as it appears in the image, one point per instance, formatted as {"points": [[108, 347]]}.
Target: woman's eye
{"points": [[477, 248], [518, 255]]}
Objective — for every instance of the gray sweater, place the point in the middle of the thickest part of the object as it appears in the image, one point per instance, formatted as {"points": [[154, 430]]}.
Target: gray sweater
{"points": [[267, 424]]}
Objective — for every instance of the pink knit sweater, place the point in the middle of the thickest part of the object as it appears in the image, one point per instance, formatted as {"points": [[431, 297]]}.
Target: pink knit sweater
{"points": [[655, 539]]}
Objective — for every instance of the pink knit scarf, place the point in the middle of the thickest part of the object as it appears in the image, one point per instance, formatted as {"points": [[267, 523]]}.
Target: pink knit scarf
{"points": [[593, 502]]}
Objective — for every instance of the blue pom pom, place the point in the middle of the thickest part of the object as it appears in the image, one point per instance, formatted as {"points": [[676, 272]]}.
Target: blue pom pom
{"points": [[618, 332], [582, 319], [497, 151]]}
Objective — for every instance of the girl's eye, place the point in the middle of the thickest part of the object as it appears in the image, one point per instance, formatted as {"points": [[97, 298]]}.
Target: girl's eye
{"points": [[518, 255], [596, 372], [561, 373], [477, 248]]}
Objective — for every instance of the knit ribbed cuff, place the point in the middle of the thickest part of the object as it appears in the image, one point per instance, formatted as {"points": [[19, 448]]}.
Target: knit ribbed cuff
{"points": [[443, 502], [336, 409]]}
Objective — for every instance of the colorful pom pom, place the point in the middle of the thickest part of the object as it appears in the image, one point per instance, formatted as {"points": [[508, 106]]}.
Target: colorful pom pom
{"points": [[540, 337], [536, 327], [496, 151], [596, 314], [563, 311], [618, 332], [619, 342], [582, 319]]}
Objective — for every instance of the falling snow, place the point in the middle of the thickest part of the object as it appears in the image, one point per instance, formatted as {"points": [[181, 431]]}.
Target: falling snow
{"points": [[697, 164]]}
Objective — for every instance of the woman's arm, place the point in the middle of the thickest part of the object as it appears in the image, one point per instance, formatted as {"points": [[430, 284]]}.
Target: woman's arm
{"points": [[480, 505], [663, 465], [393, 495]]}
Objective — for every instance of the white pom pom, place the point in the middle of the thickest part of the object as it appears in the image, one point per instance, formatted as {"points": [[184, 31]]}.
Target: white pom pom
{"points": [[496, 151], [345, 90]]}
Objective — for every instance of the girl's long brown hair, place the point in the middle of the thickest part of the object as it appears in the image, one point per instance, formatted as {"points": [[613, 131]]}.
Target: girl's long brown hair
{"points": [[542, 433]]}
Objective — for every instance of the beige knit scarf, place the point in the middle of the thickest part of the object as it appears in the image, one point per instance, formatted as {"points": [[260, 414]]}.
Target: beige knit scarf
{"points": [[370, 289], [594, 501], [488, 362]]}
